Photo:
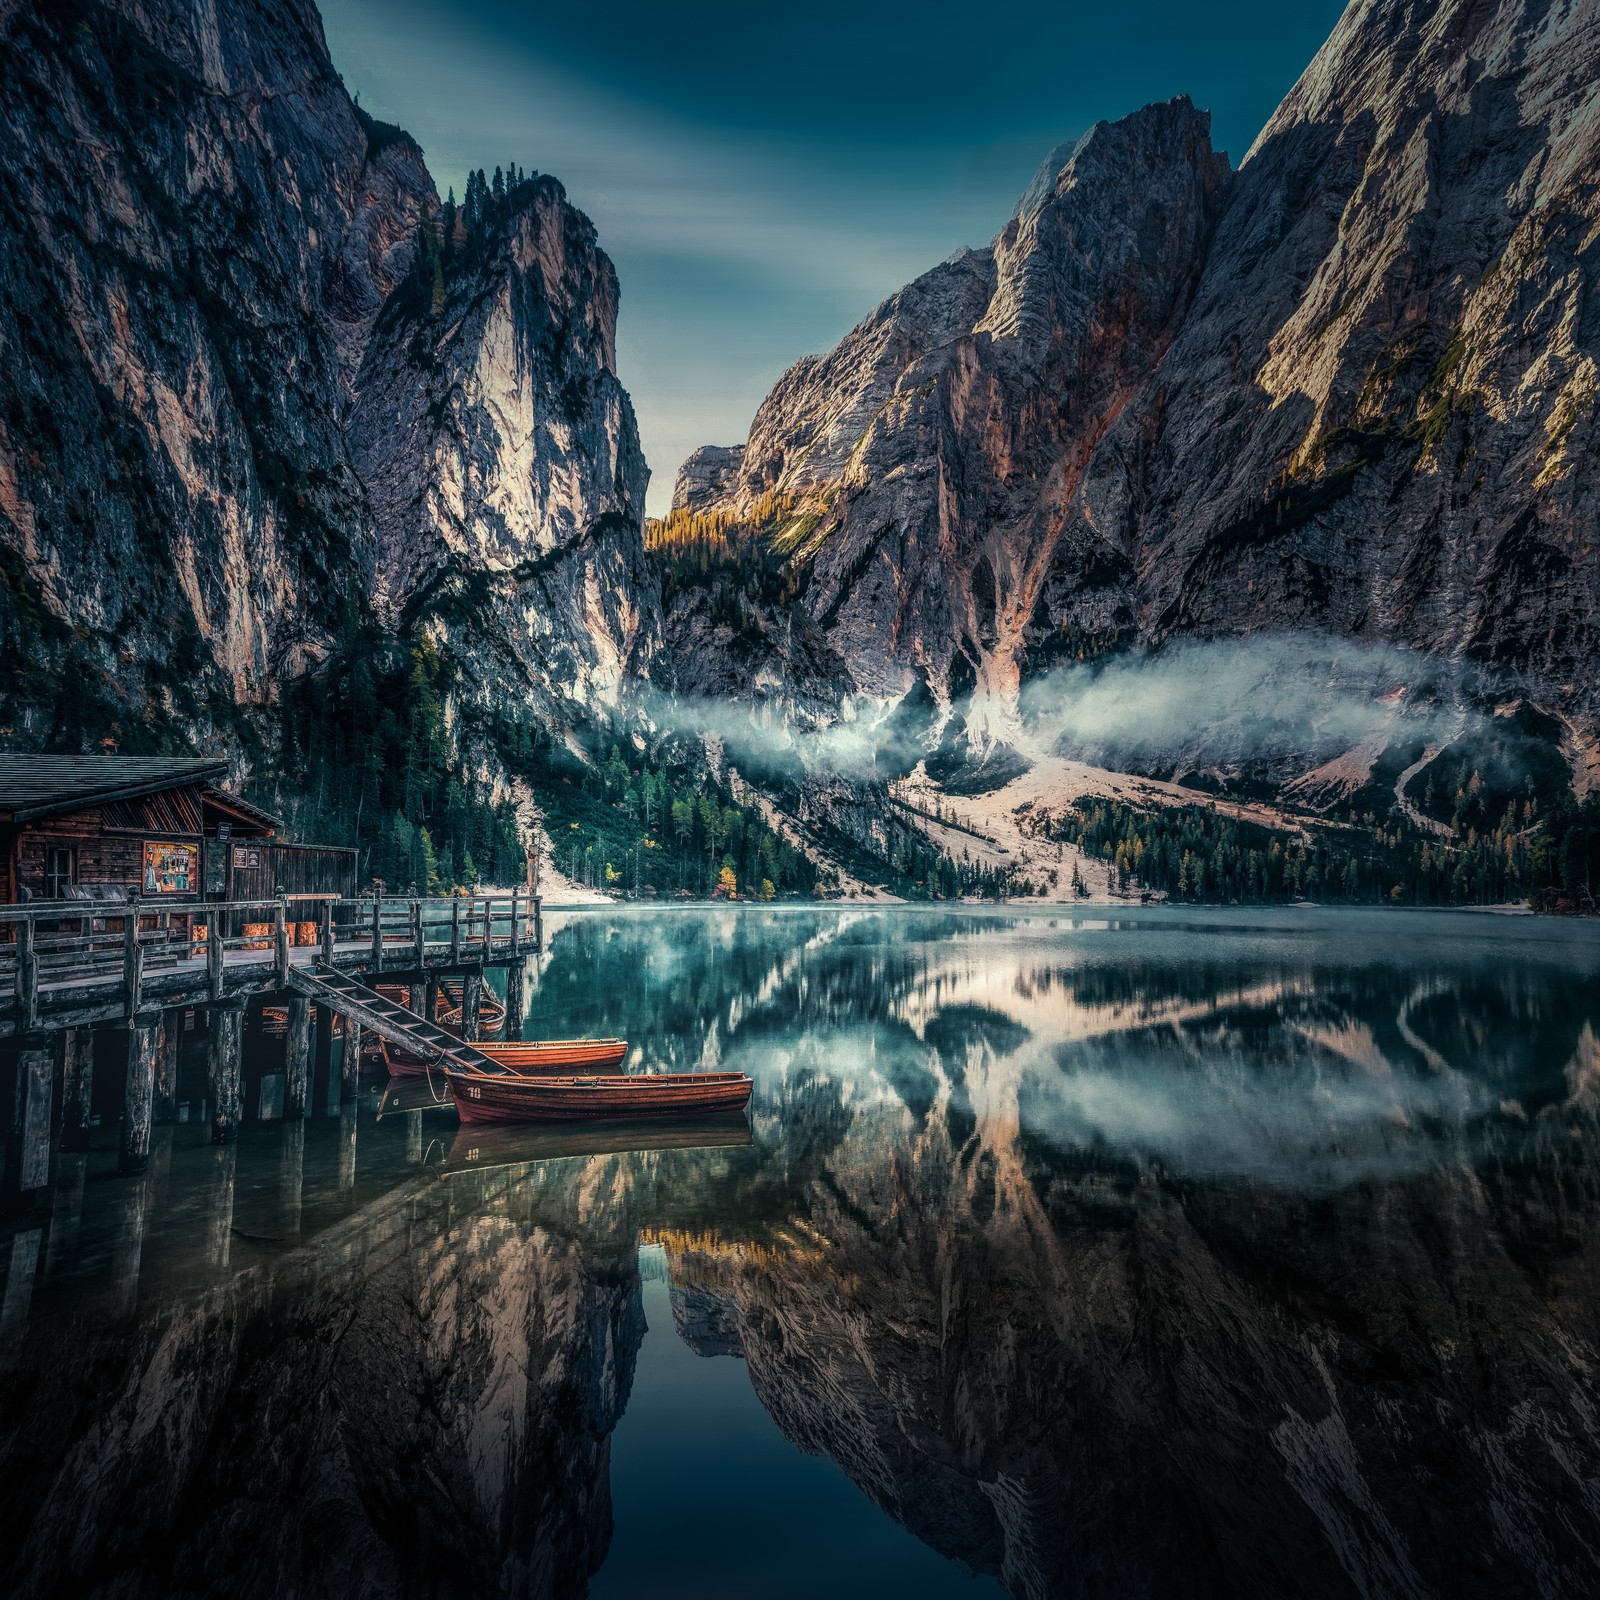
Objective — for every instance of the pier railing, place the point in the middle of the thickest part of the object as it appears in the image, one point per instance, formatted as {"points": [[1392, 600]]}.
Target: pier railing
{"points": [[53, 953]]}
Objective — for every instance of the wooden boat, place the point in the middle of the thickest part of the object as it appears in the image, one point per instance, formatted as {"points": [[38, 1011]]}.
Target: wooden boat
{"points": [[483, 1149], [481, 1097], [491, 1010], [534, 1055]]}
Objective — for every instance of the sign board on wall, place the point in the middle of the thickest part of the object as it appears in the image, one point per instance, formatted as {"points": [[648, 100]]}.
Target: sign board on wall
{"points": [[243, 856], [170, 868]]}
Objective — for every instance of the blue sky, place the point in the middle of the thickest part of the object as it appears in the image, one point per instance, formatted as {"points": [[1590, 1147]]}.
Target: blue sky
{"points": [[763, 177]]}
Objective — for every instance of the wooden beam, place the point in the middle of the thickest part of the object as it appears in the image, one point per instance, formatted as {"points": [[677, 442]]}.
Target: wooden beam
{"points": [[297, 1058], [167, 1061], [132, 961], [280, 931], [226, 1082], [144, 1037], [377, 931], [350, 1068], [418, 938], [27, 975], [516, 998], [216, 954], [455, 930], [471, 1001]]}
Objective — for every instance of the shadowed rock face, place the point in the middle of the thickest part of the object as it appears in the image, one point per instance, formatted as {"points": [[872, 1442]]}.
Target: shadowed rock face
{"points": [[395, 1411], [199, 234], [1352, 388], [231, 413]]}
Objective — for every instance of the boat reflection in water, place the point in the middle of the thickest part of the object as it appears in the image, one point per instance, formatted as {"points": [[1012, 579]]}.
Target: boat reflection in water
{"points": [[1194, 1255], [481, 1149]]}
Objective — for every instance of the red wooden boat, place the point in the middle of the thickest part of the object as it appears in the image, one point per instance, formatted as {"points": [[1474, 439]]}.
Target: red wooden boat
{"points": [[481, 1097], [534, 1055]]}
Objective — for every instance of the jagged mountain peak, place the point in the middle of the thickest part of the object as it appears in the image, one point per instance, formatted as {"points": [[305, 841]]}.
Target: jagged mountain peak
{"points": [[1351, 387]]}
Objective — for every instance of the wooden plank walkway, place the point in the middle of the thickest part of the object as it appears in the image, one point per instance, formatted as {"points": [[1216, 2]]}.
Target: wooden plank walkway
{"points": [[67, 964]]}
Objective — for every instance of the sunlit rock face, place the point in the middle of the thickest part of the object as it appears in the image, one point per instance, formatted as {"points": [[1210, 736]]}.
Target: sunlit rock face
{"points": [[933, 451], [503, 461], [1352, 387], [1380, 415], [226, 422]]}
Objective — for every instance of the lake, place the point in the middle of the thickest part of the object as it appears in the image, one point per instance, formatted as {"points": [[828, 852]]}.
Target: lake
{"points": [[1175, 1252]]}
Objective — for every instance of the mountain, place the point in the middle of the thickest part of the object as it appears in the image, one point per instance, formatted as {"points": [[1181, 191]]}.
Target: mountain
{"points": [[1349, 389], [263, 394]]}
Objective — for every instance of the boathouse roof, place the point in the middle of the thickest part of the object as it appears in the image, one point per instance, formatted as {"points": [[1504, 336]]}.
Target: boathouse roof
{"points": [[32, 786]]}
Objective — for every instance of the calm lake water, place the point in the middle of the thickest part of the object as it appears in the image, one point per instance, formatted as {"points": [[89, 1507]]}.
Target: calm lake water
{"points": [[1210, 1253]]}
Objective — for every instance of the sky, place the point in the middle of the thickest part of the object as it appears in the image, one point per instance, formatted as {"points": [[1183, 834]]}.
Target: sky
{"points": [[763, 176]]}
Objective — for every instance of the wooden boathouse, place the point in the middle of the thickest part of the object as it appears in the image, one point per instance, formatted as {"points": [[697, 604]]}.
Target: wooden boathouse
{"points": [[140, 899]]}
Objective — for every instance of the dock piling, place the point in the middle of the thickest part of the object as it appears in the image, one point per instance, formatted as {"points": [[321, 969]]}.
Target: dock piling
{"points": [[171, 1046], [226, 1085], [133, 1155], [297, 1058]]}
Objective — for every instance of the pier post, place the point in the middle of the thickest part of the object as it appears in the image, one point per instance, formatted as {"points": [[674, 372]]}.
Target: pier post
{"points": [[350, 1065], [216, 954], [28, 1147], [280, 939], [133, 1154], [77, 1087], [322, 1064], [430, 1000], [297, 1058], [226, 1081], [166, 1095], [413, 1137], [471, 1000], [132, 960], [516, 998]]}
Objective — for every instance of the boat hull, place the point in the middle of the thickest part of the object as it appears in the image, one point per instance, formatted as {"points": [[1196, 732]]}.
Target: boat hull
{"points": [[599, 1097], [538, 1056]]}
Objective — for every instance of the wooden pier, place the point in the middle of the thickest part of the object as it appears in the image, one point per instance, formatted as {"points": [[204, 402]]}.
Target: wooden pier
{"points": [[143, 966]]}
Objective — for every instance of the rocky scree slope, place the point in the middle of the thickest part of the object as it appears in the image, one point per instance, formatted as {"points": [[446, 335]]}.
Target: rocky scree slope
{"points": [[225, 422], [1350, 388]]}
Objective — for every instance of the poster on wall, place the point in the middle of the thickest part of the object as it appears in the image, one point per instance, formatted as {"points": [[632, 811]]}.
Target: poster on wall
{"points": [[243, 856], [170, 868]]}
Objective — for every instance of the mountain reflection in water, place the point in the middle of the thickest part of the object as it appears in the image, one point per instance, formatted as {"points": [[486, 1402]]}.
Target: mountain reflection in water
{"points": [[1184, 1254]]}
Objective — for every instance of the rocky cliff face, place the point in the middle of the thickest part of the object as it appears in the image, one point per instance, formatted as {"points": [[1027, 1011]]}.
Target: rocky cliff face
{"points": [[198, 231], [1352, 388], [503, 462], [226, 419], [929, 458]]}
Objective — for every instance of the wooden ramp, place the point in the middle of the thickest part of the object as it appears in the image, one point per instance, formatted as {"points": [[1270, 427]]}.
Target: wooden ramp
{"points": [[326, 987]]}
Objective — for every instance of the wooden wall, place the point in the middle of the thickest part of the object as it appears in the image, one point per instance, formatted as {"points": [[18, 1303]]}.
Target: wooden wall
{"points": [[102, 857], [290, 869]]}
